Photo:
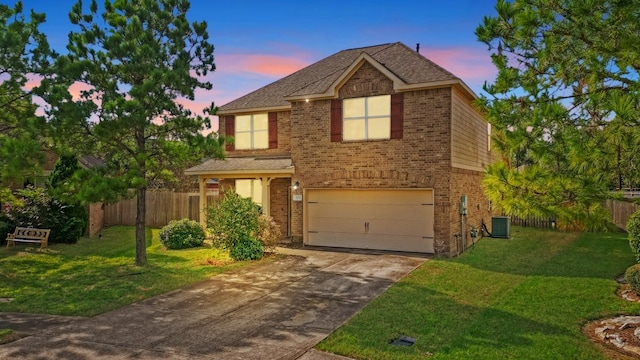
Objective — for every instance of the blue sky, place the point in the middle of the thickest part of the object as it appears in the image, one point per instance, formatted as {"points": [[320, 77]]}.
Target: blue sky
{"points": [[258, 42]]}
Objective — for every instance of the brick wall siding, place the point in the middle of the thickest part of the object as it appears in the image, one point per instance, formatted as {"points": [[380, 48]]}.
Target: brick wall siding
{"points": [[467, 182], [280, 201], [420, 160]]}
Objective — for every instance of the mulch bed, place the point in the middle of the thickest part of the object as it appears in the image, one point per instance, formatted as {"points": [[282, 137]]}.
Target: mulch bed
{"points": [[619, 337]]}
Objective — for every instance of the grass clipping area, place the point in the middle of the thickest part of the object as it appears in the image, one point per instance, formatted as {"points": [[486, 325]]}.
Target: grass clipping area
{"points": [[524, 298], [98, 274]]}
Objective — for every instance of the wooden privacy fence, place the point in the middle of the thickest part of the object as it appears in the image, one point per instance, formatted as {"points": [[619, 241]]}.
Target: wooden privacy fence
{"points": [[536, 222], [621, 211], [162, 207]]}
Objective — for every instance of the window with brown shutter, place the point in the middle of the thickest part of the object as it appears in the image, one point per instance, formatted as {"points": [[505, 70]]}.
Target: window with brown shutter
{"points": [[336, 120], [229, 130], [273, 130], [397, 108]]}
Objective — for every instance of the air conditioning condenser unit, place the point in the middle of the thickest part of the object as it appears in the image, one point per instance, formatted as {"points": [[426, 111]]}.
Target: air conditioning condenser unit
{"points": [[500, 227]]}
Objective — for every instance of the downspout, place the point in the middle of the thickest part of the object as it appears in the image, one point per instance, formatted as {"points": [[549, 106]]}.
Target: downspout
{"points": [[463, 214], [463, 234]]}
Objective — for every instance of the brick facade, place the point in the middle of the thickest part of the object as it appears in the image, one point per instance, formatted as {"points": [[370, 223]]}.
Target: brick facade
{"points": [[467, 182], [423, 158]]}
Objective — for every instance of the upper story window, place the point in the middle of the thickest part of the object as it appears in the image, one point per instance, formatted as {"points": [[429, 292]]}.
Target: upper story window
{"points": [[367, 118], [252, 132]]}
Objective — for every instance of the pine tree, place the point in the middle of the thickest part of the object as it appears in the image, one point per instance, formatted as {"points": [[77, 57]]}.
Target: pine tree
{"points": [[133, 62], [564, 106]]}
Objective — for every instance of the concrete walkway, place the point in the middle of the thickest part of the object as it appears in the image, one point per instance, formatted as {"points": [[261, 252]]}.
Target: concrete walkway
{"points": [[279, 310]]}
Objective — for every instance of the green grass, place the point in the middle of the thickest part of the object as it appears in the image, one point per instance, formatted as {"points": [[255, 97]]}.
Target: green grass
{"points": [[524, 298], [97, 275]]}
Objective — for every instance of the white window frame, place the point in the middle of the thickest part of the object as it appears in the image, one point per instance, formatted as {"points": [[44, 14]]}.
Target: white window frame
{"points": [[252, 132], [366, 117]]}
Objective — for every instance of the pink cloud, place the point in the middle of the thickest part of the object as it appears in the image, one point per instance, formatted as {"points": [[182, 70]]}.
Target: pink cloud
{"points": [[77, 88], [32, 81], [262, 64], [472, 65]]}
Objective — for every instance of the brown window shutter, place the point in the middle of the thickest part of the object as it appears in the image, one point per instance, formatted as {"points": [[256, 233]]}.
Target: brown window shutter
{"points": [[397, 101], [230, 130], [336, 120], [273, 130]]}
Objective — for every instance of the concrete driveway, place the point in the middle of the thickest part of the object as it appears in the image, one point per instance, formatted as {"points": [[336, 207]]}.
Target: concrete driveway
{"points": [[278, 310]]}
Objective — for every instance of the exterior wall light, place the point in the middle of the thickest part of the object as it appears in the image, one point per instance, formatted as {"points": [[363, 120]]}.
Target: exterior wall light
{"points": [[296, 185]]}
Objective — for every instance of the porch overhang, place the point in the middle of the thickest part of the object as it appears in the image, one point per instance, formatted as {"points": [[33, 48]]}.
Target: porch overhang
{"points": [[264, 169]]}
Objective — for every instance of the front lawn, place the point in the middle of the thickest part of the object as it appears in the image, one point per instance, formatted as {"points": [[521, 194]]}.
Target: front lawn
{"points": [[98, 274], [524, 298]]}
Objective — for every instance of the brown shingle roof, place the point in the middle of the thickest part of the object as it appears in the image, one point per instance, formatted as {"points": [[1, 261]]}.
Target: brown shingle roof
{"points": [[239, 165], [408, 65]]}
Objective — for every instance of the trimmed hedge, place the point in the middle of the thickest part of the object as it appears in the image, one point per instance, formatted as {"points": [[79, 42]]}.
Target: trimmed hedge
{"points": [[632, 275], [182, 234], [633, 229]]}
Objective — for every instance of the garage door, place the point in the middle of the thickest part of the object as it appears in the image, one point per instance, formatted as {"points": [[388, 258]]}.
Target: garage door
{"points": [[399, 220]]}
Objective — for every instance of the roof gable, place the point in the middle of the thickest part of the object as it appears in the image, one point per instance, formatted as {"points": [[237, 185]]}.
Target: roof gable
{"points": [[406, 68], [331, 90]]}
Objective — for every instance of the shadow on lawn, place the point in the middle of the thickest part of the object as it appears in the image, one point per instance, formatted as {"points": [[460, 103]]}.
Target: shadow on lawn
{"points": [[441, 325], [552, 253]]}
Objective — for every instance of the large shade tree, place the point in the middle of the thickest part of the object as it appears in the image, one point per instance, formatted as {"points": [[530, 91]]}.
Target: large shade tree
{"points": [[117, 93], [565, 106], [25, 53]]}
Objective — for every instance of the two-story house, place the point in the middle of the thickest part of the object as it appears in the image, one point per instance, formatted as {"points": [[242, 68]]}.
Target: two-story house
{"points": [[368, 148]]}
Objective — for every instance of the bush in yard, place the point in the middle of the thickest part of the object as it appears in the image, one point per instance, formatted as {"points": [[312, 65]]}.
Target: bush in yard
{"points": [[632, 275], [268, 231], [633, 229], [39, 210], [247, 248], [182, 234], [232, 219], [7, 225]]}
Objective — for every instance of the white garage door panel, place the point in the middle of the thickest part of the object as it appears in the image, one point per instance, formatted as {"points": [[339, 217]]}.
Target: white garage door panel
{"points": [[370, 196], [340, 224], [369, 211], [397, 220], [399, 227], [379, 227], [372, 241]]}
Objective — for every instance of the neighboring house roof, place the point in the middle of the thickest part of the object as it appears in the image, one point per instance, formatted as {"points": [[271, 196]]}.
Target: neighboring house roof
{"points": [[90, 162], [404, 65], [237, 166]]}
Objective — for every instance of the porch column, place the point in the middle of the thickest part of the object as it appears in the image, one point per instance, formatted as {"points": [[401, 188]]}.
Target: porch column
{"points": [[203, 200], [266, 195]]}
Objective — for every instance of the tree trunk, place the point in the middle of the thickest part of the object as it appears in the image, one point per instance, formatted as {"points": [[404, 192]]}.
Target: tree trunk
{"points": [[141, 242], [619, 168]]}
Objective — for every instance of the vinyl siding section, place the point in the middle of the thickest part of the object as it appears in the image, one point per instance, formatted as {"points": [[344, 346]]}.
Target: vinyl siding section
{"points": [[469, 138]]}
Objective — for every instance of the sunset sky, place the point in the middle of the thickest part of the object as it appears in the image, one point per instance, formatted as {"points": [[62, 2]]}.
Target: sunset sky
{"points": [[258, 42]]}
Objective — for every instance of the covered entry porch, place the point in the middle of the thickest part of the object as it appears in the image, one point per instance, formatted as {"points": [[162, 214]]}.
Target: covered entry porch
{"points": [[269, 186]]}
